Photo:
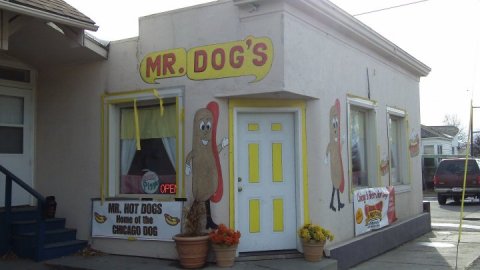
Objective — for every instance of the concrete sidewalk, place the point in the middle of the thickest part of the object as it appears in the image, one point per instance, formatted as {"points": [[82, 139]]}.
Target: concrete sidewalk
{"points": [[434, 250], [114, 262]]}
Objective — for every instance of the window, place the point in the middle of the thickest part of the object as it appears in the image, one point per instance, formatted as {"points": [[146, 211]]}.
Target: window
{"points": [[14, 74], [152, 167], [439, 149], [428, 150], [144, 148], [362, 137], [397, 146], [11, 124]]}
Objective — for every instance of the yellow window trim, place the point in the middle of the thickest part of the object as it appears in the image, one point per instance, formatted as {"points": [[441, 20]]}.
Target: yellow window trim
{"points": [[124, 97]]}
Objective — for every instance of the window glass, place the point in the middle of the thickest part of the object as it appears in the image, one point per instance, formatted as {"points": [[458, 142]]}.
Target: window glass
{"points": [[457, 167], [358, 143], [439, 149], [11, 140], [11, 125], [428, 150], [395, 135], [13, 74], [11, 110], [150, 170]]}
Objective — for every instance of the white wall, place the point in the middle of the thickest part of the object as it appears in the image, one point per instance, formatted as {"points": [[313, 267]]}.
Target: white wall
{"points": [[325, 64], [445, 143], [311, 60]]}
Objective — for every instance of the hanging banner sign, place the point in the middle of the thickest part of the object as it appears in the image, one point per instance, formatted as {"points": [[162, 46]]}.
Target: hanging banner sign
{"points": [[374, 208], [136, 220], [252, 56]]}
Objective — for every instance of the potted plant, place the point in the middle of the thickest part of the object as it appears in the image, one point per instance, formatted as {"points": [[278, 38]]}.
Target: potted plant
{"points": [[224, 243], [313, 240], [192, 243]]}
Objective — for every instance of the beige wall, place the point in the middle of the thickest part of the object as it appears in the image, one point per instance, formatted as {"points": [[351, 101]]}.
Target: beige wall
{"points": [[67, 139]]}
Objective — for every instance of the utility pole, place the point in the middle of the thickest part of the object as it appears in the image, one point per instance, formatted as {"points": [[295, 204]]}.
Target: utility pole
{"points": [[471, 129]]}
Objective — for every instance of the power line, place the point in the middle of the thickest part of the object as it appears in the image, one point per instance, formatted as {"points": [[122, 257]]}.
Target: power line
{"points": [[387, 8]]}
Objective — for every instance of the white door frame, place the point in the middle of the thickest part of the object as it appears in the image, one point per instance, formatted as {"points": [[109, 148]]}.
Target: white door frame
{"points": [[24, 87], [299, 196]]}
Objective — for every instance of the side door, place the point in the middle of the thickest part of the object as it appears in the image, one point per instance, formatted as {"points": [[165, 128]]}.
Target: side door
{"points": [[16, 140]]}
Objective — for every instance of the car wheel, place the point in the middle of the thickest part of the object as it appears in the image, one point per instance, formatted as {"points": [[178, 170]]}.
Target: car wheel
{"points": [[456, 199], [442, 199]]}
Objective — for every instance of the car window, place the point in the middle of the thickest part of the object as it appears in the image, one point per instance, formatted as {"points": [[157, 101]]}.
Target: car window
{"points": [[457, 167]]}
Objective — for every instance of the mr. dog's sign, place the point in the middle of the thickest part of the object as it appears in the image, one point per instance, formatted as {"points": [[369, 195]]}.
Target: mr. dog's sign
{"points": [[252, 56], [136, 219]]}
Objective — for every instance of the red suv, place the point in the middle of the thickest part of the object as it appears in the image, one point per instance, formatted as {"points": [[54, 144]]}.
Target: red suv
{"points": [[448, 179]]}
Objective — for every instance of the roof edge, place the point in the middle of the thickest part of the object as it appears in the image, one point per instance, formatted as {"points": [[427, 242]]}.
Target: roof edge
{"points": [[21, 9], [361, 32]]}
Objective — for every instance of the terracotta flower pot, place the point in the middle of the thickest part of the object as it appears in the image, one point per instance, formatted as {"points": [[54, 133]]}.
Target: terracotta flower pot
{"points": [[192, 251], [225, 255], [313, 250]]}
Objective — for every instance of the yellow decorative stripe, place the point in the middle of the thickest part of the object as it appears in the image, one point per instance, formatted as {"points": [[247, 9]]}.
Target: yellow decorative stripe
{"points": [[278, 215], [254, 216], [137, 125], [102, 152], [277, 166], [306, 207], [379, 175], [253, 127], [276, 127], [253, 163], [160, 100], [231, 152]]}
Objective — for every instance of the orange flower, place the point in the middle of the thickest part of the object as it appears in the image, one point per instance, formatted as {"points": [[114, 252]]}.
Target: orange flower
{"points": [[225, 236]]}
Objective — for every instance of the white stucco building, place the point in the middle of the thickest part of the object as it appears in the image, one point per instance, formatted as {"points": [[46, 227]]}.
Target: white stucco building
{"points": [[312, 103]]}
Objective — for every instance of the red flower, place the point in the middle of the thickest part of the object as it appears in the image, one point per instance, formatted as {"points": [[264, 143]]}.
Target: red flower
{"points": [[225, 236]]}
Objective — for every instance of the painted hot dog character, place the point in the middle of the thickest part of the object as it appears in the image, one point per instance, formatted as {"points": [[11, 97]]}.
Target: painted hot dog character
{"points": [[203, 161], [334, 151]]}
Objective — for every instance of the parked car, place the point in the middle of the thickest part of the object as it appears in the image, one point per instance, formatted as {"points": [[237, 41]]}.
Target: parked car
{"points": [[448, 179]]}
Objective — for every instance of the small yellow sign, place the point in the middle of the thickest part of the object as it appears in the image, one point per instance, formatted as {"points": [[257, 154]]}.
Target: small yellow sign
{"points": [[249, 57]]}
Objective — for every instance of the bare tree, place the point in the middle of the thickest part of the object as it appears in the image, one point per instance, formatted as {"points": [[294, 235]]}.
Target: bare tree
{"points": [[453, 120]]}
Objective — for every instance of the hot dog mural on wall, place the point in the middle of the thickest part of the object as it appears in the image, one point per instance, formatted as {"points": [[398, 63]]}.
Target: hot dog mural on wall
{"points": [[334, 155], [414, 143], [203, 162]]}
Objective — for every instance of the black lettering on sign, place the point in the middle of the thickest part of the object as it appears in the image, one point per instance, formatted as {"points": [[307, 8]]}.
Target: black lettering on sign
{"points": [[123, 219], [152, 208], [114, 208], [147, 220], [130, 208], [150, 230]]}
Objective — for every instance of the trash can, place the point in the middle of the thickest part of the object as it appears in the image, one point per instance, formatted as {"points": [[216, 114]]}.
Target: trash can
{"points": [[50, 207], [426, 206]]}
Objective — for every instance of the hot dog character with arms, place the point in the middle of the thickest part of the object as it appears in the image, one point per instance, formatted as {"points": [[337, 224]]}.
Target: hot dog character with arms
{"points": [[334, 151], [203, 162]]}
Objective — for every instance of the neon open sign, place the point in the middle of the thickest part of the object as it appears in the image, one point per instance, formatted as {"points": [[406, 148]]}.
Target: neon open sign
{"points": [[168, 188]]}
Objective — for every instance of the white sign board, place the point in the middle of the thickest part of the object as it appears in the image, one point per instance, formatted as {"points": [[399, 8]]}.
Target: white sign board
{"points": [[142, 220], [374, 208]]}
